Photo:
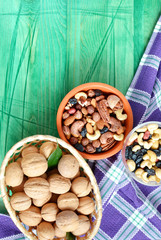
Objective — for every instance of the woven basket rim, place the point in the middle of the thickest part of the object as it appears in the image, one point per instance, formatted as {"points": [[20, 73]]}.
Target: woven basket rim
{"points": [[82, 163]]}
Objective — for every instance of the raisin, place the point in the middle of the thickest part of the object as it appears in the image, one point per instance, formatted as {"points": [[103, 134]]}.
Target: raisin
{"points": [[99, 149], [139, 159], [79, 147], [98, 92], [149, 171], [83, 132], [138, 165], [104, 130], [158, 164], [157, 152], [134, 157], [128, 152], [73, 101]]}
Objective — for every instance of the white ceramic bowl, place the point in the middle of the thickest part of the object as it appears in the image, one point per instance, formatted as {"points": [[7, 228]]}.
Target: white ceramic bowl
{"points": [[132, 174]]}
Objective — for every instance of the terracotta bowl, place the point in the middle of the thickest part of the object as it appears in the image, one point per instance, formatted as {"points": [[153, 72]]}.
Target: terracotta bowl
{"points": [[108, 90]]}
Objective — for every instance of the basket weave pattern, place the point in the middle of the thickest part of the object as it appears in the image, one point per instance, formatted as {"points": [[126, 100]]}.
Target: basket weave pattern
{"points": [[6, 192]]}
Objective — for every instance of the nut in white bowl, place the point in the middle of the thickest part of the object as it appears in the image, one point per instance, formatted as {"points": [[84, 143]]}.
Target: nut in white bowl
{"points": [[141, 153]]}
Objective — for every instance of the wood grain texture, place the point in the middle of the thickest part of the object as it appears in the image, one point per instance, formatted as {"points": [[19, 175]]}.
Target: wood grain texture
{"points": [[49, 47]]}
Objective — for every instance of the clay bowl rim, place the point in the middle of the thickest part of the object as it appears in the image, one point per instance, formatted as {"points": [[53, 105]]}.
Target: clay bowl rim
{"points": [[107, 89]]}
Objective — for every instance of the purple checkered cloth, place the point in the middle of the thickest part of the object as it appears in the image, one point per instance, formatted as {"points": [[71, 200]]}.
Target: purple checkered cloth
{"points": [[130, 210]]}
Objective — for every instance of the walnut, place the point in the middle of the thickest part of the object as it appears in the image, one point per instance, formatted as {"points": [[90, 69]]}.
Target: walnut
{"points": [[40, 202], [37, 188], [68, 201], [31, 216], [34, 164], [86, 205], [59, 233], [20, 201], [59, 184], [47, 148], [49, 212], [84, 226], [14, 175], [81, 186], [68, 166], [45, 231], [67, 221], [30, 149]]}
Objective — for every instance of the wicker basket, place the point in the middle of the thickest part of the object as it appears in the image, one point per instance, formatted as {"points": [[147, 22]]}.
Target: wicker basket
{"points": [[37, 140]]}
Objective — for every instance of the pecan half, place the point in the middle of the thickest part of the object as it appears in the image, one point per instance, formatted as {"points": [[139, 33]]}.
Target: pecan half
{"points": [[103, 111]]}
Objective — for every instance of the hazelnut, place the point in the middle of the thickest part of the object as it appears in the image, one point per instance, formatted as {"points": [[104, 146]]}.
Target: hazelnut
{"points": [[68, 166], [47, 148], [31, 216], [30, 149], [78, 106], [40, 202], [90, 109], [34, 164], [85, 141], [84, 226], [20, 188], [68, 201], [96, 117], [90, 148], [96, 144], [37, 188], [20, 201], [81, 186], [73, 140], [59, 184], [67, 221], [86, 205], [91, 93], [45, 231], [49, 212], [58, 232], [14, 175]]}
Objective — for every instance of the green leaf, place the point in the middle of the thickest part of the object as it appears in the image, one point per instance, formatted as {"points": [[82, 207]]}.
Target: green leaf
{"points": [[54, 157], [70, 236]]}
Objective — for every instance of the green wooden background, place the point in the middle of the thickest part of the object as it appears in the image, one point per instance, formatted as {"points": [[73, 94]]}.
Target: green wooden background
{"points": [[47, 47]]}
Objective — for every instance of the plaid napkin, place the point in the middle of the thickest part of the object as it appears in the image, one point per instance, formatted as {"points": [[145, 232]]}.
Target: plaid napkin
{"points": [[130, 210]]}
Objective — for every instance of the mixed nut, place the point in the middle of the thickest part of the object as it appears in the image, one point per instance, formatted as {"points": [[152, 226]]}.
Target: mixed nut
{"points": [[143, 153], [94, 121], [53, 201]]}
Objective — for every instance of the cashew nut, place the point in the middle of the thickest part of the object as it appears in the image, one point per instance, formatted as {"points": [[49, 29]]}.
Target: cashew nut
{"points": [[131, 165], [155, 136], [146, 157], [143, 129], [144, 177], [152, 127], [118, 137], [133, 137], [146, 163], [80, 94], [140, 139], [152, 156], [158, 131], [160, 141], [76, 128], [158, 173], [120, 116], [139, 172], [153, 178], [136, 148], [157, 179], [89, 120], [155, 145], [147, 145], [95, 136]]}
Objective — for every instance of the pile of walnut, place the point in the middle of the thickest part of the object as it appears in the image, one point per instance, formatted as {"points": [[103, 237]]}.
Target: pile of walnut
{"points": [[55, 201], [94, 121]]}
